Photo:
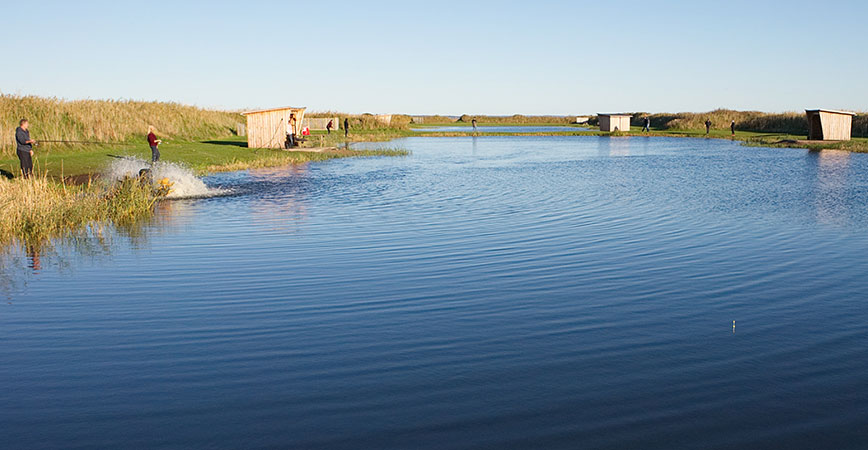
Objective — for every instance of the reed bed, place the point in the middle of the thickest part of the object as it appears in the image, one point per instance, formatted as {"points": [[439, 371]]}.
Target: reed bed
{"points": [[793, 123], [110, 120], [364, 121], [40, 208], [518, 119]]}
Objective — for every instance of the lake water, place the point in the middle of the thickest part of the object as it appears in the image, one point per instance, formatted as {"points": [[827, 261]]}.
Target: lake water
{"points": [[493, 292], [499, 129]]}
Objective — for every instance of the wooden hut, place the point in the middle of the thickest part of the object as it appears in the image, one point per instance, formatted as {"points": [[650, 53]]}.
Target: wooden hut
{"points": [[266, 128], [614, 122], [829, 125]]}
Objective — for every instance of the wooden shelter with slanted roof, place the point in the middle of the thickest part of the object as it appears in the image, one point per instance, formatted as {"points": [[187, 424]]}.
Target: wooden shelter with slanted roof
{"points": [[829, 125], [614, 122], [266, 128]]}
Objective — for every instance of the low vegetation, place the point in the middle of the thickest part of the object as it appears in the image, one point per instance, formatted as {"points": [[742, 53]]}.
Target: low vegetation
{"points": [[365, 122], [38, 208], [516, 119]]}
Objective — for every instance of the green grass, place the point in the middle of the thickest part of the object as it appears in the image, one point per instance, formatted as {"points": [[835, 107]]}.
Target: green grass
{"points": [[203, 156]]}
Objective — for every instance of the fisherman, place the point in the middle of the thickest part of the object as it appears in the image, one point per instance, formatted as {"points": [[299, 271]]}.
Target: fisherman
{"points": [[346, 127], [154, 143], [473, 122], [732, 127], [290, 131], [647, 124], [24, 147], [707, 126], [329, 126]]}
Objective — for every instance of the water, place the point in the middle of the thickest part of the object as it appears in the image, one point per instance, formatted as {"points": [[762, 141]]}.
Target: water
{"points": [[499, 129], [497, 292]]}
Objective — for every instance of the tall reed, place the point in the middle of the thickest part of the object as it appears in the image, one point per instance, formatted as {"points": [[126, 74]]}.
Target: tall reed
{"points": [[40, 208]]}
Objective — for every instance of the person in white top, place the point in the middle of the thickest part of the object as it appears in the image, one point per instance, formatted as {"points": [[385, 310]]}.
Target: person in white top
{"points": [[290, 131]]}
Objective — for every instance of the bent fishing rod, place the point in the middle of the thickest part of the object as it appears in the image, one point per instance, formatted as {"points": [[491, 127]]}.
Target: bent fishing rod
{"points": [[56, 141]]}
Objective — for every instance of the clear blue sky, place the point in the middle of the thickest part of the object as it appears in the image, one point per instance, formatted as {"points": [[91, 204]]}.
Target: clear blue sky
{"points": [[494, 57]]}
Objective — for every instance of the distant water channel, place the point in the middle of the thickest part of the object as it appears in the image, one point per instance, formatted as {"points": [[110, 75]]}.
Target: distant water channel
{"points": [[499, 129], [492, 292]]}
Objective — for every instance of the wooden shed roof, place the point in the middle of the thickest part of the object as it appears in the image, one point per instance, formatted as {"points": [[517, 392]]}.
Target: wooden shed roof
{"points": [[615, 115], [298, 108], [831, 111]]}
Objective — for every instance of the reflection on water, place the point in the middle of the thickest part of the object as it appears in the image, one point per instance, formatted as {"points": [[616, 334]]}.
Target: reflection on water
{"points": [[615, 146], [832, 179], [93, 244], [490, 292], [33, 257], [286, 211]]}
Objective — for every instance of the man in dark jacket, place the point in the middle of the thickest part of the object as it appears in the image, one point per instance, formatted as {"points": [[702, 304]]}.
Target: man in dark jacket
{"points": [[24, 147], [707, 126], [346, 127], [647, 123]]}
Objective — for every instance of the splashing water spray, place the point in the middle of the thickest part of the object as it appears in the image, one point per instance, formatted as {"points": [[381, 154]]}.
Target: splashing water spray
{"points": [[181, 180]]}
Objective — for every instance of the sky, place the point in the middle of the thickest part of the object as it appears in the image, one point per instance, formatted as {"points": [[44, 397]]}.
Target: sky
{"points": [[443, 57]]}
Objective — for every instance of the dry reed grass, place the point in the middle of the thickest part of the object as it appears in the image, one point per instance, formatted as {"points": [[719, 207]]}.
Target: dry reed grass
{"points": [[109, 120], [39, 208], [788, 123]]}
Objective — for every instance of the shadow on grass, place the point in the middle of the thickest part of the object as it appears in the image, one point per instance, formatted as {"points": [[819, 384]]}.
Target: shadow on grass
{"points": [[231, 143]]}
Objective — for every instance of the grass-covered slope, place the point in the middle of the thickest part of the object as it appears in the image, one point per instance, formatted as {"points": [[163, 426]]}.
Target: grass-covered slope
{"points": [[110, 120]]}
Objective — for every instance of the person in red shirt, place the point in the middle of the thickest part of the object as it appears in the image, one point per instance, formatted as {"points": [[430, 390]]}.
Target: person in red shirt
{"points": [[154, 143]]}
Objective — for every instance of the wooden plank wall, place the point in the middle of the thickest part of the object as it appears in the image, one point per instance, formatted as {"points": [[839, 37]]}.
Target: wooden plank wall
{"points": [[836, 127], [268, 129], [610, 123], [605, 124]]}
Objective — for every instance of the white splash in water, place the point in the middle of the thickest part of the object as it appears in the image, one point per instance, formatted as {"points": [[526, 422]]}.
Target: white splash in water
{"points": [[184, 183]]}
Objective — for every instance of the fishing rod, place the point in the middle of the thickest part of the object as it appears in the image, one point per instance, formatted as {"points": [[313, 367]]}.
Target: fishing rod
{"points": [[55, 141]]}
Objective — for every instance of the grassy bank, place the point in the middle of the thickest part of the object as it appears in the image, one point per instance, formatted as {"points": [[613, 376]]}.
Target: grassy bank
{"points": [[113, 121], [214, 155]]}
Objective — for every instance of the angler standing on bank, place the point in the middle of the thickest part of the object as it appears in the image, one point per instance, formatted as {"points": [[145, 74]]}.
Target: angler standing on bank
{"points": [[24, 147], [154, 143]]}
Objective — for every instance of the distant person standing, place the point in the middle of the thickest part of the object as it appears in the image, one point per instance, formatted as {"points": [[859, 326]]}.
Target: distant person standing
{"points": [[346, 127], [24, 147], [732, 127], [473, 122], [154, 143], [290, 132], [329, 126], [707, 126], [647, 124]]}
